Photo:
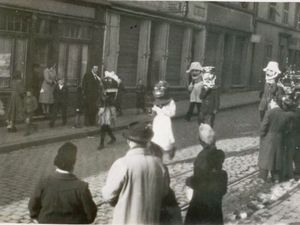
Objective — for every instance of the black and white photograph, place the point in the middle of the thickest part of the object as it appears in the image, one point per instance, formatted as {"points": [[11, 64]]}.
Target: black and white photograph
{"points": [[150, 112]]}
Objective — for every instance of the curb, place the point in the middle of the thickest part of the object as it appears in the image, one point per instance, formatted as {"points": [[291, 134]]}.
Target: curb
{"points": [[48, 140]]}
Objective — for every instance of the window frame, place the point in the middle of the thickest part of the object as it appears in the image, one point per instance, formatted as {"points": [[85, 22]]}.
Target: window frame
{"points": [[285, 13], [272, 11]]}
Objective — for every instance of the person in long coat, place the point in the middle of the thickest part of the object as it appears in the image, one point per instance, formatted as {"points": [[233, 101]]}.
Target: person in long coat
{"points": [[15, 110], [209, 182], [62, 198], [274, 153], [91, 89], [46, 92], [210, 97], [137, 182]]}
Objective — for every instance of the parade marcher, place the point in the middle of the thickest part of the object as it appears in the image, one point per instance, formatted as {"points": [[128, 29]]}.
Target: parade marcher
{"points": [[30, 106], [62, 198], [164, 107], [296, 135], [270, 89], [110, 85], [15, 109], [195, 86], [60, 95], [140, 91], [107, 119], [275, 154], [210, 98], [46, 91], [137, 182], [209, 182], [91, 89]]}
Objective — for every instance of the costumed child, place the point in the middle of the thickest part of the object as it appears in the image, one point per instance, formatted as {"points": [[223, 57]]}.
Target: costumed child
{"points": [[110, 85], [107, 112], [195, 85], [270, 89], [210, 97], [30, 105], [164, 107], [209, 182]]}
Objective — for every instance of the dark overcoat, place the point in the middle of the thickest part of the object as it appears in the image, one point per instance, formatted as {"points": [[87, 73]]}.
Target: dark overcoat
{"points": [[209, 188], [274, 153], [210, 100], [91, 88], [61, 95], [63, 199]]}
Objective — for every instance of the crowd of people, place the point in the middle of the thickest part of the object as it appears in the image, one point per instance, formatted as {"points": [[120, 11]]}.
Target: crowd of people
{"points": [[279, 107], [138, 184], [47, 94]]}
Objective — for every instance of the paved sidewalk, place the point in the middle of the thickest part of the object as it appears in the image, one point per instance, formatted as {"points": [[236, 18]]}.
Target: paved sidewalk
{"points": [[15, 141]]}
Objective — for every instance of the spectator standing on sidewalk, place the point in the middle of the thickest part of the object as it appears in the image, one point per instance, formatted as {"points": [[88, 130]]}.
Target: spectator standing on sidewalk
{"points": [[137, 182], [62, 198], [195, 86], [163, 140], [271, 88], [30, 106], [140, 91], [274, 153], [15, 109], [46, 91], [107, 119], [60, 95], [210, 98], [92, 90], [209, 182]]}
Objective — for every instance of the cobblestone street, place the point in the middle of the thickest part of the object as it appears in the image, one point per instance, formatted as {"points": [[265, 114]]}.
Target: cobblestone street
{"points": [[24, 167]]}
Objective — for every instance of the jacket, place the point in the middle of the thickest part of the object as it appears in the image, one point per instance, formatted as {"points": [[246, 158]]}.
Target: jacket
{"points": [[136, 185], [46, 92], [210, 100], [61, 95], [62, 198]]}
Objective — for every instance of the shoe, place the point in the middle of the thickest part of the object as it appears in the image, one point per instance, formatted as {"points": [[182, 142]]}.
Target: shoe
{"points": [[113, 140], [100, 147]]}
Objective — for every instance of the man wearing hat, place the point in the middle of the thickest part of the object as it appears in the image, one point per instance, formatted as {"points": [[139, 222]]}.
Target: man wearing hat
{"points": [[62, 198], [195, 86], [137, 182], [270, 89]]}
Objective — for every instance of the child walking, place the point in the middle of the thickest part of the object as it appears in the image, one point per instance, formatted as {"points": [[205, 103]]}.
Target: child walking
{"points": [[30, 105], [107, 119], [163, 140]]}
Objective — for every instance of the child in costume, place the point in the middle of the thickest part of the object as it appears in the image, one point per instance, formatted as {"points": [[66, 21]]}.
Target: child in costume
{"points": [[195, 85], [30, 105], [271, 89], [163, 140], [210, 98]]}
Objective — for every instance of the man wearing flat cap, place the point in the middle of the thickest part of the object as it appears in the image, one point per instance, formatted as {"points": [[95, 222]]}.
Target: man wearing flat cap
{"points": [[62, 198], [137, 182]]}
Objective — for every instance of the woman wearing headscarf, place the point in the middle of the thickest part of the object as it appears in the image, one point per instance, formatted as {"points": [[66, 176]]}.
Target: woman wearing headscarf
{"points": [[209, 182]]}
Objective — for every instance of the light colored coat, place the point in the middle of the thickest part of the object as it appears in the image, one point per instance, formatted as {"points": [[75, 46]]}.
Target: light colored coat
{"points": [[162, 126], [46, 92], [195, 90], [137, 182]]}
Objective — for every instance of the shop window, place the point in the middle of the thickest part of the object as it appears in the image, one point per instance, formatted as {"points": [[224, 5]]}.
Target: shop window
{"points": [[12, 55], [272, 11], [76, 31], [13, 22], [72, 62], [285, 18]]}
